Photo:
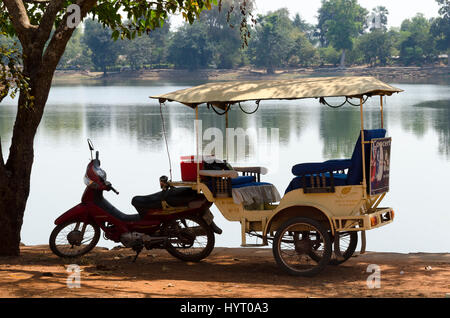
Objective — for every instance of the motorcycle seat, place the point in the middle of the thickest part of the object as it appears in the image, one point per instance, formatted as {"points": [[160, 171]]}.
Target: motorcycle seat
{"points": [[174, 197], [105, 205]]}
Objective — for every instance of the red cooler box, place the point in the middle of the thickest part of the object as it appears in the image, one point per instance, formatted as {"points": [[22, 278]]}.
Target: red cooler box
{"points": [[188, 166]]}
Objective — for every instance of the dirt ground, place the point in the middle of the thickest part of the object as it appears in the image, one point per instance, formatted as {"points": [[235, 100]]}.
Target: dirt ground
{"points": [[226, 273]]}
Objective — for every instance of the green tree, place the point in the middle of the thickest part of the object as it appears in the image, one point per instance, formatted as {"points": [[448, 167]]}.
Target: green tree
{"points": [[190, 48], [376, 47], [340, 21], [272, 42], [103, 47], [137, 52], [77, 55], [33, 23], [12, 80], [209, 42], [159, 43], [417, 45], [147, 49], [225, 42], [324, 14], [305, 27], [302, 52], [440, 28], [329, 55]]}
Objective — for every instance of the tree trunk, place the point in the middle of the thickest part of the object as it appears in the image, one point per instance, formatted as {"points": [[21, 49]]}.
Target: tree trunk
{"points": [[342, 59], [10, 219], [42, 53], [15, 173]]}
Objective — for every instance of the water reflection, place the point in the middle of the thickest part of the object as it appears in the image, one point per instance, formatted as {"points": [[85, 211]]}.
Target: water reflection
{"points": [[441, 125], [123, 122], [439, 118], [7, 116], [64, 122], [339, 129]]}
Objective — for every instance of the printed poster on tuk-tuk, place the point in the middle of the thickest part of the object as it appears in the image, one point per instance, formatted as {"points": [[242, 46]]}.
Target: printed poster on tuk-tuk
{"points": [[380, 165]]}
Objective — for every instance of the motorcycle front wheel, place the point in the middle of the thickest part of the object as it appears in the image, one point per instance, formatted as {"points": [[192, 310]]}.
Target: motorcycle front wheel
{"points": [[190, 239], [73, 239]]}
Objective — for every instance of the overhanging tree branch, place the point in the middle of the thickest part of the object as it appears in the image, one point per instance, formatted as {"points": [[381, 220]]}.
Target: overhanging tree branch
{"points": [[20, 21], [46, 25], [57, 45]]}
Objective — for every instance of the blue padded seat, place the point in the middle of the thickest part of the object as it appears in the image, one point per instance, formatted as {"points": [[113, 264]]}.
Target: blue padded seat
{"points": [[243, 185], [330, 165], [238, 182], [354, 165], [297, 183], [242, 180]]}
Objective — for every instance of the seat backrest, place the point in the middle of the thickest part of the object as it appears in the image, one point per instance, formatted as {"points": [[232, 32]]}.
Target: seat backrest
{"points": [[355, 174]]}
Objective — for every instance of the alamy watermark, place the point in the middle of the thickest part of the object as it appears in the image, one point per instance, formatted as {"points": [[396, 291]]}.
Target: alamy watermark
{"points": [[373, 21], [74, 16], [74, 278], [259, 145], [374, 279]]}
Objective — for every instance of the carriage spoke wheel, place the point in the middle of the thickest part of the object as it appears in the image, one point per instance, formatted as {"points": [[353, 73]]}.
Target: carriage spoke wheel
{"points": [[294, 242], [347, 245], [190, 239], [73, 239]]}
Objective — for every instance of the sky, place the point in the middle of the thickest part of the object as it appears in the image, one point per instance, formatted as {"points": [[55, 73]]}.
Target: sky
{"points": [[399, 10]]}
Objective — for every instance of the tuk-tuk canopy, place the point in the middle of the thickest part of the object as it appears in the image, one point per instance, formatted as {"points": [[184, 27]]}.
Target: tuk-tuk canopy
{"points": [[222, 93]]}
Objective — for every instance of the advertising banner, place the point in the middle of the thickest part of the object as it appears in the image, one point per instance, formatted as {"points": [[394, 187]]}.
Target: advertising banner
{"points": [[380, 158]]}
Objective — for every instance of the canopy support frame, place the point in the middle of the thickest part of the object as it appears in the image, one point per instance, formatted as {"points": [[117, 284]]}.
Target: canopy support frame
{"points": [[197, 148], [364, 182]]}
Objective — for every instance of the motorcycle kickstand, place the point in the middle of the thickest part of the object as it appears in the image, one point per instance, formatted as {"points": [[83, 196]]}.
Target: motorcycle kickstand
{"points": [[138, 250]]}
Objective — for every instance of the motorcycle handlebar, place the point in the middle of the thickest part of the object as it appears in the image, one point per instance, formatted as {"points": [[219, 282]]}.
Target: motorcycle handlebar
{"points": [[110, 187], [114, 190]]}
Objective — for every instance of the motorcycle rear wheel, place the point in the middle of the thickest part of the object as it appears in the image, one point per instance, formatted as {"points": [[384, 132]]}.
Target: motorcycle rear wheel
{"points": [[191, 239], [66, 241]]}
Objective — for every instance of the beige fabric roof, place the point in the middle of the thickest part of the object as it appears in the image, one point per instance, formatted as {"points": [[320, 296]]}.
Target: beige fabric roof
{"points": [[239, 91]]}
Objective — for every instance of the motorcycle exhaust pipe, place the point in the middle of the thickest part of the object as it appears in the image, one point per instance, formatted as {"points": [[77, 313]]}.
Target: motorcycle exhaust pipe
{"points": [[208, 217], [215, 228]]}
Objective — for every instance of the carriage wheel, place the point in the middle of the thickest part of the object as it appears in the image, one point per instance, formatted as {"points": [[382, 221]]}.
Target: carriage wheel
{"points": [[347, 245], [293, 245]]}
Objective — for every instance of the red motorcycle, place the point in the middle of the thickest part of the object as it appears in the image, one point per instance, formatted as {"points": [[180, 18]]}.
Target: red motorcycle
{"points": [[177, 219]]}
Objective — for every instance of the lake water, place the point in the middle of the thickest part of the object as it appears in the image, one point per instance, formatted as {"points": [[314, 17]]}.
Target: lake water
{"points": [[125, 126]]}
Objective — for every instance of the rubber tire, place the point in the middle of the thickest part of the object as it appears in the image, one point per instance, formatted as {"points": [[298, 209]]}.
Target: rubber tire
{"points": [[59, 227], [350, 250], [206, 251], [327, 248], [348, 253]]}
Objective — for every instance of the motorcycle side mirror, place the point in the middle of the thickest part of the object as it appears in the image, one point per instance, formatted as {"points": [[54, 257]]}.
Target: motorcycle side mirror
{"points": [[164, 182], [91, 146]]}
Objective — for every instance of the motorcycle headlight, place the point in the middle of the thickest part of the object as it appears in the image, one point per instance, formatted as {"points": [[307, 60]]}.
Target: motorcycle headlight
{"points": [[101, 173], [87, 181]]}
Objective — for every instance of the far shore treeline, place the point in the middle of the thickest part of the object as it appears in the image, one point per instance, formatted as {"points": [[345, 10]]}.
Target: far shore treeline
{"points": [[345, 35]]}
